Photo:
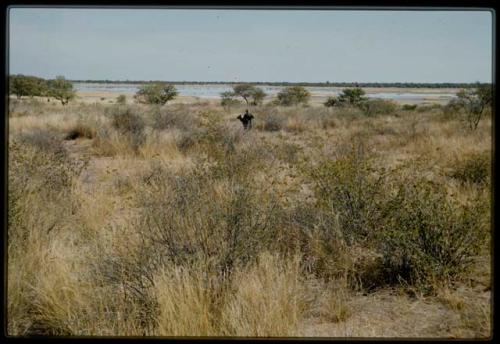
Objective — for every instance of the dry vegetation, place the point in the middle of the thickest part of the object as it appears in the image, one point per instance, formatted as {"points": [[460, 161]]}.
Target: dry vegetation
{"points": [[131, 220]]}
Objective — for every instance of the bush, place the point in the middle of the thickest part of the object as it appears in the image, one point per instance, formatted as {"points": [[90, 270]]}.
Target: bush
{"points": [[156, 93], [452, 109], [293, 96], [42, 140], [212, 214], [473, 168], [173, 117], [128, 123], [121, 99], [351, 96], [409, 107], [331, 102], [426, 239], [374, 107], [347, 193], [274, 122]]}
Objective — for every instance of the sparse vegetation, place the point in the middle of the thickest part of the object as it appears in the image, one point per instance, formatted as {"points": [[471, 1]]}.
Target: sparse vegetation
{"points": [[172, 221]]}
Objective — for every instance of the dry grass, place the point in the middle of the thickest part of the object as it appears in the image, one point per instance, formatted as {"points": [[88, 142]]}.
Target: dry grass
{"points": [[167, 228]]}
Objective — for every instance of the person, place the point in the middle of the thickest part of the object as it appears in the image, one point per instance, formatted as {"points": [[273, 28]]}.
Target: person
{"points": [[246, 120]]}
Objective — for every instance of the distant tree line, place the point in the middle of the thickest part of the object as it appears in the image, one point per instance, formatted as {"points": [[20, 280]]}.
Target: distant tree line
{"points": [[305, 84]]}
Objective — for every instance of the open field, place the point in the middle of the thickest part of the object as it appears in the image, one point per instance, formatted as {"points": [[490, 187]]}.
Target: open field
{"points": [[132, 220]]}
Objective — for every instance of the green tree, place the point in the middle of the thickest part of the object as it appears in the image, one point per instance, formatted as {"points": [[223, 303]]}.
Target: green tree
{"points": [[61, 89], [249, 93], [26, 85], [157, 93], [475, 102], [293, 96], [352, 96]]}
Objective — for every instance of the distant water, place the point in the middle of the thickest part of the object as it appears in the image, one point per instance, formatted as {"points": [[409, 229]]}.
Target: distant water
{"points": [[214, 91]]}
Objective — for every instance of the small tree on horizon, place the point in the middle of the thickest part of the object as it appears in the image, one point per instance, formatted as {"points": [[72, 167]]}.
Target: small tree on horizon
{"points": [[251, 95], [352, 96], [157, 93]]}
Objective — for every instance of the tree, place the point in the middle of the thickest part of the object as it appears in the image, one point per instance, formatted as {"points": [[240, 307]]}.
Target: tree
{"points": [[474, 102], [157, 93], [61, 89], [249, 92], [293, 96], [352, 96], [258, 96], [26, 85]]}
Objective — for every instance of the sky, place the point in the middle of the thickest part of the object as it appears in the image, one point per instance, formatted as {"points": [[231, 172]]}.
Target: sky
{"points": [[251, 45]]}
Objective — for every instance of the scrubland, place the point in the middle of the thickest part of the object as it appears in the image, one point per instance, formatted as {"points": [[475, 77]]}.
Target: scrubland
{"points": [[135, 220]]}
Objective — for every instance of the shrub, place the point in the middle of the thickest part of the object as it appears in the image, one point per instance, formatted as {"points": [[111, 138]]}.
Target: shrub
{"points": [[426, 238], [293, 96], [156, 93], [80, 130], [173, 117], [452, 109], [409, 107], [128, 123], [43, 140], [473, 168], [274, 122], [121, 99], [346, 192], [331, 102], [351, 96], [378, 107]]}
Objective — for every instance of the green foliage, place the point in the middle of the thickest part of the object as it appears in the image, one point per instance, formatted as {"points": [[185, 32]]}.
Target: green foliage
{"points": [[427, 239], [156, 93], [129, 124], [293, 96], [121, 99], [473, 168], [409, 107], [248, 92], [374, 107], [352, 96], [25, 85], [331, 102], [61, 89], [475, 102], [348, 193]]}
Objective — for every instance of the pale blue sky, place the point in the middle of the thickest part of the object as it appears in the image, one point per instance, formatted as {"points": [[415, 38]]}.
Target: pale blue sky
{"points": [[252, 45]]}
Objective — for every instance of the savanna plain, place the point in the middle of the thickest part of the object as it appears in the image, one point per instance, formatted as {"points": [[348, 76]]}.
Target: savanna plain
{"points": [[143, 220]]}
